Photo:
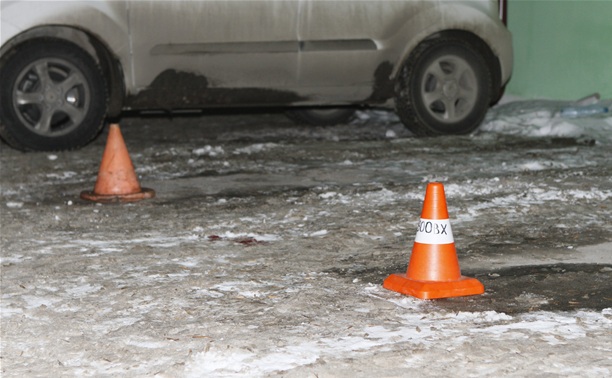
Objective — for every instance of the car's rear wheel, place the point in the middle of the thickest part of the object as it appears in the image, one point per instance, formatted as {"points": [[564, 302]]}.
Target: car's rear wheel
{"points": [[53, 96], [321, 116], [444, 87]]}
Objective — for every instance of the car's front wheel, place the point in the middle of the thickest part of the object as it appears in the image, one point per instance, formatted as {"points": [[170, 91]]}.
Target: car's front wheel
{"points": [[53, 96], [444, 87]]}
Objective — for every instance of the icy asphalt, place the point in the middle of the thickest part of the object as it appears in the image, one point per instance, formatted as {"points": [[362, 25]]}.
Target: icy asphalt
{"points": [[265, 248]]}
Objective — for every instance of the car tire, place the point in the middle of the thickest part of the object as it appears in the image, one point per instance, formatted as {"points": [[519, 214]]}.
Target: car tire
{"points": [[444, 87], [321, 116], [53, 96]]}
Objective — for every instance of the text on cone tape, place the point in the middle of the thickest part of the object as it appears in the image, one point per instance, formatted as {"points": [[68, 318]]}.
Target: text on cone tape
{"points": [[434, 231]]}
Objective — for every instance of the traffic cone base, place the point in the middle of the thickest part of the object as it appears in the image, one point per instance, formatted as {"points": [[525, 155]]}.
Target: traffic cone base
{"points": [[433, 289], [144, 193], [117, 180], [433, 270]]}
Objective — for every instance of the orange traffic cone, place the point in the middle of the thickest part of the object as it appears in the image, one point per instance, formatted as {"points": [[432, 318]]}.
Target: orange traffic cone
{"points": [[117, 181], [433, 270]]}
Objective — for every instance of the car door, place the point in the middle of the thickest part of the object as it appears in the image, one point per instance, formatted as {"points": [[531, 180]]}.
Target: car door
{"points": [[348, 44], [212, 52]]}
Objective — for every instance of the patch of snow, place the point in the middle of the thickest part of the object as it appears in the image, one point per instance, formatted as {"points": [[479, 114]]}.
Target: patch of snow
{"points": [[13, 259], [61, 176], [114, 324], [209, 151], [317, 233], [241, 235], [425, 329], [255, 148], [207, 293], [33, 301], [328, 195], [540, 118], [247, 289], [153, 241], [188, 263], [367, 235], [83, 290], [149, 344]]}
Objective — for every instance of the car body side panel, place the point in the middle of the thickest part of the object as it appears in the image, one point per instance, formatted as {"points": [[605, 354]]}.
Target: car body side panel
{"points": [[346, 21], [230, 44], [352, 73]]}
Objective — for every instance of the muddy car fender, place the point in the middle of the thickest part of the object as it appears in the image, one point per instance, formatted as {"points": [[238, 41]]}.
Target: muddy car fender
{"points": [[105, 19], [485, 26]]}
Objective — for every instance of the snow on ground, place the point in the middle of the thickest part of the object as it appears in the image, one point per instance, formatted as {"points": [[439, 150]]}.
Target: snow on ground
{"points": [[419, 331], [238, 280], [543, 118]]}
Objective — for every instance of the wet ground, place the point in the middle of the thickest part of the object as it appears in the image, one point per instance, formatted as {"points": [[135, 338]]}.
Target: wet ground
{"points": [[264, 251]]}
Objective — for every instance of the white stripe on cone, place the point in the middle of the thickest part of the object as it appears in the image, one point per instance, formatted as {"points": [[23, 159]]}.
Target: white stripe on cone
{"points": [[434, 231]]}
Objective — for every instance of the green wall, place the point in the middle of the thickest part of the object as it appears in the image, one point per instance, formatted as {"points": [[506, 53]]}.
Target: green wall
{"points": [[562, 48]]}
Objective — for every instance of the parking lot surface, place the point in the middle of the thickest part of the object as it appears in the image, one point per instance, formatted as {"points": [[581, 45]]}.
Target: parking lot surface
{"points": [[264, 251]]}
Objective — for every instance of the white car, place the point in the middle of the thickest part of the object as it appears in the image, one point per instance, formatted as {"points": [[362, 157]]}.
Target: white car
{"points": [[68, 66]]}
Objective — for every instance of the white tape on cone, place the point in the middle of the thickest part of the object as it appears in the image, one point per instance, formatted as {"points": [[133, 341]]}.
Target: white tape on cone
{"points": [[434, 231]]}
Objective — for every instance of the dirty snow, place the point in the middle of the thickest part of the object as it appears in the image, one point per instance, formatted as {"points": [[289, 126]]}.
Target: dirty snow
{"points": [[272, 264], [542, 118]]}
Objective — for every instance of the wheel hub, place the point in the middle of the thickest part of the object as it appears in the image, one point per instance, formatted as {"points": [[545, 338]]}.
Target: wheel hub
{"points": [[450, 88], [52, 97]]}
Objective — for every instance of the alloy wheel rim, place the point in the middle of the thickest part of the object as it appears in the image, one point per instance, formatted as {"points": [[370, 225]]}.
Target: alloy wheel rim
{"points": [[449, 89], [51, 97]]}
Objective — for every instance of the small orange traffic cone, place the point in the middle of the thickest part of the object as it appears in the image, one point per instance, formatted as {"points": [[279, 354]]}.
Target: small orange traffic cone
{"points": [[117, 181], [433, 270]]}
